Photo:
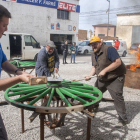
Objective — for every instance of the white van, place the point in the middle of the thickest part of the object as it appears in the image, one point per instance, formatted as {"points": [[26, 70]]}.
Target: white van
{"points": [[19, 46], [83, 47], [122, 51]]}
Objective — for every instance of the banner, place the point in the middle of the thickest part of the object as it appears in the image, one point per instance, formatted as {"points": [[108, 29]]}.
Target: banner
{"points": [[44, 3]]}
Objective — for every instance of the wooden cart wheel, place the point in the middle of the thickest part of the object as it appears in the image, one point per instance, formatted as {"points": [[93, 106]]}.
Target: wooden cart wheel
{"points": [[76, 96]]}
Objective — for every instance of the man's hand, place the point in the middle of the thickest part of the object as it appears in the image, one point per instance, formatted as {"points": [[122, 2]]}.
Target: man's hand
{"points": [[56, 70], [87, 78], [102, 73], [25, 77]]}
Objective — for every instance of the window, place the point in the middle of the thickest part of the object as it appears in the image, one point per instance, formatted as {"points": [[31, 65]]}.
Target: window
{"points": [[29, 41], [83, 43], [101, 34], [108, 43], [61, 14]]}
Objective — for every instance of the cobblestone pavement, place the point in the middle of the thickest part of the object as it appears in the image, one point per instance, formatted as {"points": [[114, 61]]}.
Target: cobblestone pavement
{"points": [[103, 125]]}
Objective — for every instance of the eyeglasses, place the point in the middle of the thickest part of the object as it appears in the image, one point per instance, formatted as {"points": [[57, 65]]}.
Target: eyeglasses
{"points": [[94, 44]]}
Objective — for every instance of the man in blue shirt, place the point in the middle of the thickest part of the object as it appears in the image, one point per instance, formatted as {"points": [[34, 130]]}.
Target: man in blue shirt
{"points": [[7, 66]]}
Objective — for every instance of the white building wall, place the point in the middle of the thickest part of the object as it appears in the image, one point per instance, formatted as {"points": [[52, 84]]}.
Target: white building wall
{"points": [[36, 20], [125, 25]]}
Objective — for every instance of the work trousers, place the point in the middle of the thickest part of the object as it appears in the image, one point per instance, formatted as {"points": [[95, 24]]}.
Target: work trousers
{"points": [[115, 88], [3, 133], [64, 56]]}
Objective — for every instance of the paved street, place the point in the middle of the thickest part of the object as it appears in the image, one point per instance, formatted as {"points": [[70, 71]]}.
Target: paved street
{"points": [[103, 125]]}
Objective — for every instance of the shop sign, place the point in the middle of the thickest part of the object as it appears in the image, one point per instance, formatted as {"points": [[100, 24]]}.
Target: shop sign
{"points": [[58, 26], [52, 26], [67, 6], [69, 27], [45, 3]]}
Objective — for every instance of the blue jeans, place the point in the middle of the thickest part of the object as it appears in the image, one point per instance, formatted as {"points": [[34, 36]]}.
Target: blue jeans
{"points": [[73, 57]]}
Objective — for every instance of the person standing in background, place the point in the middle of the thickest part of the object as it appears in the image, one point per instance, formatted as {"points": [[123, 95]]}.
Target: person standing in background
{"points": [[65, 51], [73, 52], [117, 43]]}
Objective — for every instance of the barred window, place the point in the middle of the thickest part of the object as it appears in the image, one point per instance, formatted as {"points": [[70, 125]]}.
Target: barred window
{"points": [[61, 14]]}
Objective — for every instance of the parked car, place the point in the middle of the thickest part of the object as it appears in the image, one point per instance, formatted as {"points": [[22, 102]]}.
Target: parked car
{"points": [[135, 46], [122, 51], [83, 47]]}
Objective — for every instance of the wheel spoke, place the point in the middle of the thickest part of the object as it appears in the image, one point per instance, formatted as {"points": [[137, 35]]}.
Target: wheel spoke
{"points": [[40, 96], [50, 98], [24, 97], [63, 97], [73, 96]]}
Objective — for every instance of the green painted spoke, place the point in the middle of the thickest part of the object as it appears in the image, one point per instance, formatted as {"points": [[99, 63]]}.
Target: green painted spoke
{"points": [[72, 96], [23, 88], [26, 85], [50, 98], [40, 96], [81, 94], [22, 92], [85, 91], [81, 87], [63, 97], [24, 97]]}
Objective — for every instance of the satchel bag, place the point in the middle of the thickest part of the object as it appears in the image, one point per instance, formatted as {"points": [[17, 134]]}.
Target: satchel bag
{"points": [[73, 52]]}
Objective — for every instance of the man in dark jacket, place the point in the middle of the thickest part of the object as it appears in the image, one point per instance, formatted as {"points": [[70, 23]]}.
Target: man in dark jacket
{"points": [[65, 51], [107, 64], [47, 60]]}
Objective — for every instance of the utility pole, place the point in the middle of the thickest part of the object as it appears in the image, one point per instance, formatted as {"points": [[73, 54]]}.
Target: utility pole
{"points": [[108, 18]]}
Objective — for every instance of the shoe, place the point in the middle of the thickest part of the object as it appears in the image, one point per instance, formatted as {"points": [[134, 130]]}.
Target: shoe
{"points": [[121, 123], [66, 63]]}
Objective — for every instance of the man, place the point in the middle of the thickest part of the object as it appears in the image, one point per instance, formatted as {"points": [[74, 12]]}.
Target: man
{"points": [[47, 60], [7, 66], [107, 64], [65, 51], [117, 43], [102, 41]]}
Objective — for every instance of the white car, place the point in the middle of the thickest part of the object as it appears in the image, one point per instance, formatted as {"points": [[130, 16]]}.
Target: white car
{"points": [[83, 47], [122, 51]]}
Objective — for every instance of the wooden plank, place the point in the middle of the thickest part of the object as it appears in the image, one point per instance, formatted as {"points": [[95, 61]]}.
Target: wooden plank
{"points": [[38, 80]]}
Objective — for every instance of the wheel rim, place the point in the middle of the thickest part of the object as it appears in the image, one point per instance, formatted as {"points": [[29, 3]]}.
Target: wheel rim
{"points": [[85, 95]]}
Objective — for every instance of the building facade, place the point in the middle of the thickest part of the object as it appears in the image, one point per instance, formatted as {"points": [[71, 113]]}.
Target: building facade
{"points": [[101, 30], [82, 35], [128, 28], [45, 19]]}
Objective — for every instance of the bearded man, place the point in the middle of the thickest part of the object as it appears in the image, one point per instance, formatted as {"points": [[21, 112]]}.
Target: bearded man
{"points": [[107, 64], [47, 60]]}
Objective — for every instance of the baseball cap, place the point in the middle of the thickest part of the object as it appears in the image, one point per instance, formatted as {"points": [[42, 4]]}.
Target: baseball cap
{"points": [[51, 44], [94, 39]]}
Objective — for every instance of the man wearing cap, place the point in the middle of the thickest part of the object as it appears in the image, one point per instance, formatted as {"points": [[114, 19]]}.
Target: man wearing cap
{"points": [[47, 60], [107, 64]]}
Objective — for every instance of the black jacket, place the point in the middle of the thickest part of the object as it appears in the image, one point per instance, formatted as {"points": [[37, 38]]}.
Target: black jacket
{"points": [[64, 48]]}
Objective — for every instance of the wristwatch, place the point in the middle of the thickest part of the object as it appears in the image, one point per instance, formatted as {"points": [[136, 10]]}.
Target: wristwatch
{"points": [[17, 70]]}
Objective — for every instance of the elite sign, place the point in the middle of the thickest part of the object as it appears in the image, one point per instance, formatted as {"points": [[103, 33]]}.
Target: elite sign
{"points": [[53, 4]]}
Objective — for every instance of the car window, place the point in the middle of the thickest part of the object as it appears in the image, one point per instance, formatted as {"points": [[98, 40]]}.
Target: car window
{"points": [[109, 43], [83, 43], [87, 42]]}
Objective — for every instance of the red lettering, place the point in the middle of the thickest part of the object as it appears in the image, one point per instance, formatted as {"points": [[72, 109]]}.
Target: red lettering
{"points": [[67, 6]]}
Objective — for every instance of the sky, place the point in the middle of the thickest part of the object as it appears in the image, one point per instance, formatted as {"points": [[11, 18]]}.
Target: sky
{"points": [[93, 12]]}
